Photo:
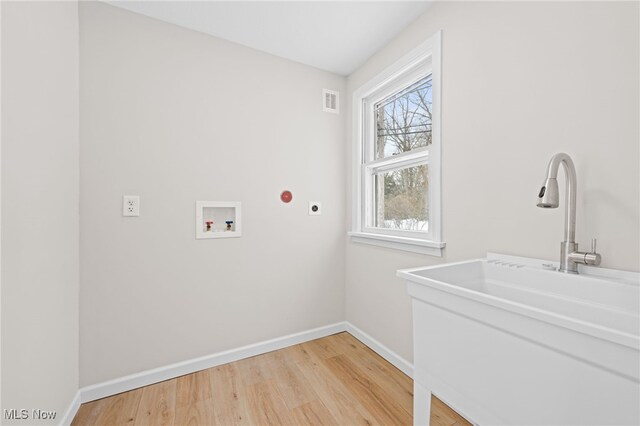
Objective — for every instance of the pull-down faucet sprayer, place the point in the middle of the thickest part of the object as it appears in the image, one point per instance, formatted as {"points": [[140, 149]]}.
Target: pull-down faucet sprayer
{"points": [[548, 197]]}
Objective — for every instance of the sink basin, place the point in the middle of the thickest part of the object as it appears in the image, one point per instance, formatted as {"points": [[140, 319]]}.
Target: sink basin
{"points": [[606, 307], [509, 340]]}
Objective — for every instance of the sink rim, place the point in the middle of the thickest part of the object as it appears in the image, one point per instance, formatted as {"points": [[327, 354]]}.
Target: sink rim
{"points": [[621, 337]]}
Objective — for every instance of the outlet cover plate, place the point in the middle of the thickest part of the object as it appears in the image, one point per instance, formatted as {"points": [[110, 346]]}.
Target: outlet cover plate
{"points": [[131, 205], [315, 208]]}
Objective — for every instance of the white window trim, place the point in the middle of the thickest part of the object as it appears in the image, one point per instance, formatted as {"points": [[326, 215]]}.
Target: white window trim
{"points": [[429, 52]]}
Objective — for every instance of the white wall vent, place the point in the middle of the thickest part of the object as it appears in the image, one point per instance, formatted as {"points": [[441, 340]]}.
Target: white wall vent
{"points": [[330, 101]]}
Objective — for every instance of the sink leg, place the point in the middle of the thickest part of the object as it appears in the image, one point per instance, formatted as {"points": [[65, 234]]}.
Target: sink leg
{"points": [[421, 405]]}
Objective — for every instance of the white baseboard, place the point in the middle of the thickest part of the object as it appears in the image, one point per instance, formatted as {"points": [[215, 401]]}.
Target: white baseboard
{"points": [[148, 377], [71, 411], [400, 363]]}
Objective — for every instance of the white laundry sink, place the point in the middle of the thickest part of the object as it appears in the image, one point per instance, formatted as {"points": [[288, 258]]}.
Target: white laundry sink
{"points": [[506, 341]]}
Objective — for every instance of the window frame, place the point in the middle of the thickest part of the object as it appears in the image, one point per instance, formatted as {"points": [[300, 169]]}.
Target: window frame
{"points": [[412, 67]]}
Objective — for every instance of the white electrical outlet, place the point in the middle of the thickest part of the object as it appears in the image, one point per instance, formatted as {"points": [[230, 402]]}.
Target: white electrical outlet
{"points": [[130, 205], [315, 208]]}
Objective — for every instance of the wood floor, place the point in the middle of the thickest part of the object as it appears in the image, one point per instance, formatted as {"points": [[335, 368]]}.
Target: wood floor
{"points": [[336, 380]]}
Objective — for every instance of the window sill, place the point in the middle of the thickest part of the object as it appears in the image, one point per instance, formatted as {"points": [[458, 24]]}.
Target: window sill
{"points": [[414, 245]]}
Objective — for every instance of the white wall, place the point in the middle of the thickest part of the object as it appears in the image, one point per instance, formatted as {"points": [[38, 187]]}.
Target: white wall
{"points": [[521, 81], [39, 206], [176, 116]]}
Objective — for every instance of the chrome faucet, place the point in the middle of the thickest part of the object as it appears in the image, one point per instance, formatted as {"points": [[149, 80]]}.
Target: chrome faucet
{"points": [[548, 197]]}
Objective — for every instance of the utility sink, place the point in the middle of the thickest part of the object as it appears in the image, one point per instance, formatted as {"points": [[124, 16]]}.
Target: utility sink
{"points": [[509, 340], [605, 307]]}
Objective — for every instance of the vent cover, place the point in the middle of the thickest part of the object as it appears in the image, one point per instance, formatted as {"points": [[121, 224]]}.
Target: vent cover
{"points": [[330, 101]]}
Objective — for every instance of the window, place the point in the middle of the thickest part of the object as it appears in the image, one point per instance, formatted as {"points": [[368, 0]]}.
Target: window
{"points": [[397, 155]]}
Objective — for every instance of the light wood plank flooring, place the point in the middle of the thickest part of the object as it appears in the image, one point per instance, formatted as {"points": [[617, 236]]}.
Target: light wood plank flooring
{"points": [[336, 380]]}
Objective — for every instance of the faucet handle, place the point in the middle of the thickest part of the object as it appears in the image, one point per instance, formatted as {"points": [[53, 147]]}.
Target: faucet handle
{"points": [[590, 258]]}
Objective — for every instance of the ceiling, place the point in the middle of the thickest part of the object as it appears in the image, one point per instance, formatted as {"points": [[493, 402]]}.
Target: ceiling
{"points": [[337, 36]]}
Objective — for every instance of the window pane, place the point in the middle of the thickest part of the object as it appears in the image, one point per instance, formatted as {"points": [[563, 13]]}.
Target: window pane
{"points": [[403, 120], [401, 199]]}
